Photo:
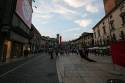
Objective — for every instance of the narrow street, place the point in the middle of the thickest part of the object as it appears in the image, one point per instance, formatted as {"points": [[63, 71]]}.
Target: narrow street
{"points": [[40, 69]]}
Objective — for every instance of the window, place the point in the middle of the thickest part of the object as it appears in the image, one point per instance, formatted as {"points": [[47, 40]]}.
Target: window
{"points": [[100, 42], [98, 32], [94, 34], [111, 17], [104, 29], [112, 25], [123, 17], [114, 37], [105, 42], [103, 23], [122, 35]]}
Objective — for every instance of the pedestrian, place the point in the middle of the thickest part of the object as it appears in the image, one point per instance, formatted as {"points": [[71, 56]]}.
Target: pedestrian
{"points": [[67, 51], [51, 53], [86, 52], [82, 55], [57, 52], [26, 52]]}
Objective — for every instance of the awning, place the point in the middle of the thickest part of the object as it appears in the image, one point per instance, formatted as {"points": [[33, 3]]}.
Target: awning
{"points": [[106, 47]]}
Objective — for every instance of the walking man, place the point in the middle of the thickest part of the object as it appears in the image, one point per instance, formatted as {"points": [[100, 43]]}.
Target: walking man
{"points": [[51, 53]]}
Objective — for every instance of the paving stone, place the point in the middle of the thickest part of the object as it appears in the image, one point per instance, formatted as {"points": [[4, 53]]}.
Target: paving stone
{"points": [[77, 70]]}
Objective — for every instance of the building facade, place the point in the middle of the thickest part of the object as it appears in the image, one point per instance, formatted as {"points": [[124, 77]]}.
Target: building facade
{"points": [[112, 27], [85, 40], [36, 41], [14, 28]]}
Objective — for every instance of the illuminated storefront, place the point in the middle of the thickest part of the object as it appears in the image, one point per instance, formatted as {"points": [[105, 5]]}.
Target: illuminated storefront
{"points": [[15, 28]]}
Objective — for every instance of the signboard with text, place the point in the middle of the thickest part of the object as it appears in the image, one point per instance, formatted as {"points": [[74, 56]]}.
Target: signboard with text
{"points": [[118, 53], [24, 11]]}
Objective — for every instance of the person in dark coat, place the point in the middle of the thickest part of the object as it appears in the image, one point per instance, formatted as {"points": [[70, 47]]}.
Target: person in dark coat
{"points": [[86, 52], [82, 55], [26, 52], [57, 52], [50, 51]]}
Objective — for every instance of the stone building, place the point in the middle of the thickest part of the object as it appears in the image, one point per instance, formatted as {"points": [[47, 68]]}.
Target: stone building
{"points": [[36, 39], [77, 42], [15, 24], [85, 40], [112, 27]]}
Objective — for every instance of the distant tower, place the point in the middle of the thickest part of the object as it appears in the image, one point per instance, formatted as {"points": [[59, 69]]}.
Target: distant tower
{"points": [[58, 38], [110, 4]]}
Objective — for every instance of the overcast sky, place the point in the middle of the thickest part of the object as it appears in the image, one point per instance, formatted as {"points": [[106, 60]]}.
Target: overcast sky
{"points": [[69, 18]]}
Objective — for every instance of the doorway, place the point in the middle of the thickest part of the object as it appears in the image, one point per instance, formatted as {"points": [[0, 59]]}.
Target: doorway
{"points": [[6, 51]]}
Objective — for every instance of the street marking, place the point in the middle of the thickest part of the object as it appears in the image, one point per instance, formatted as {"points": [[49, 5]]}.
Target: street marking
{"points": [[17, 67], [60, 76]]}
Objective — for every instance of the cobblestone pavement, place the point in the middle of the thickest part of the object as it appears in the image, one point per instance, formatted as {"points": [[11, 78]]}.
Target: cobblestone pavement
{"points": [[73, 69]]}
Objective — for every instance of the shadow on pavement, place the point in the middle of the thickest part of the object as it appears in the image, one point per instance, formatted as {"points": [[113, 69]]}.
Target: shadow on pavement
{"points": [[115, 81], [88, 59]]}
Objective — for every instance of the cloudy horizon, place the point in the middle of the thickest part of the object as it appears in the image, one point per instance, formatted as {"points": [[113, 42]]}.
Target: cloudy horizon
{"points": [[69, 18]]}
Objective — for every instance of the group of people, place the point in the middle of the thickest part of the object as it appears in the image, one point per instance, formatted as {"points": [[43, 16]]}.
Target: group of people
{"points": [[84, 54], [60, 51]]}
